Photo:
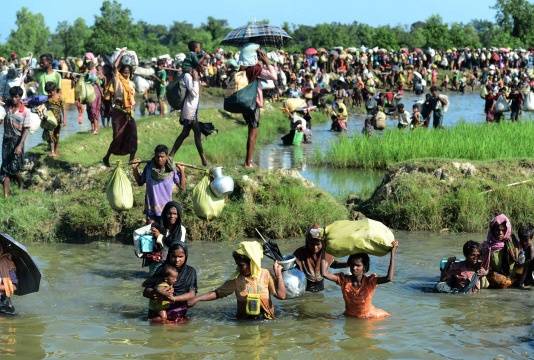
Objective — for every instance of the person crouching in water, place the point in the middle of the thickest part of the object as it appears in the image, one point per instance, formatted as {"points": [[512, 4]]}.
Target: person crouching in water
{"points": [[339, 116], [309, 259], [404, 117], [463, 276], [253, 286], [358, 288], [297, 124]]}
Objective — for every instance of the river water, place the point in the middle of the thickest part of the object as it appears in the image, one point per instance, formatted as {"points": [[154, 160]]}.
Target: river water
{"points": [[90, 307]]}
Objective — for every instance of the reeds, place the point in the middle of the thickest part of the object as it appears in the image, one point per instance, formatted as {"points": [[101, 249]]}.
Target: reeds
{"points": [[464, 141]]}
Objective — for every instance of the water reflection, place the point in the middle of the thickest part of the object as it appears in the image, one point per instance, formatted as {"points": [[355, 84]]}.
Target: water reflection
{"points": [[22, 339]]}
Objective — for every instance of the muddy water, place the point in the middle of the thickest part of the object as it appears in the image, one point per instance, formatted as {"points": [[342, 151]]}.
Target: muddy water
{"points": [[90, 307]]}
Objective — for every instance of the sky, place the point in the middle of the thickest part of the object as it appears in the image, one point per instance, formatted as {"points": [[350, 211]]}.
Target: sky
{"points": [[239, 12]]}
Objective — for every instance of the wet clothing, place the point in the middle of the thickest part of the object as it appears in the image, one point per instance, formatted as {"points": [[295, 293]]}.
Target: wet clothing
{"points": [[187, 282], [498, 256], [358, 300], [162, 88], [242, 286], [158, 188], [458, 276], [310, 265], [158, 305]]}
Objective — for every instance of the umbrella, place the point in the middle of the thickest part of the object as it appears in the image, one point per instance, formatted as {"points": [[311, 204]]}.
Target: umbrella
{"points": [[28, 275], [310, 51], [266, 35]]}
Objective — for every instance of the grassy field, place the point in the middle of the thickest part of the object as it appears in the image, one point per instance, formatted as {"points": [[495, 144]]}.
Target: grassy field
{"points": [[66, 200], [464, 141], [88, 150]]}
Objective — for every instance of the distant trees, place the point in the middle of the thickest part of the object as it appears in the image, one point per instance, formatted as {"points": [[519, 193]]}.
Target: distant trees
{"points": [[114, 27]]}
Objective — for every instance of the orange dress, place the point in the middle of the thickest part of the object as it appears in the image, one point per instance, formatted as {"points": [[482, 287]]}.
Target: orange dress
{"points": [[358, 299]]}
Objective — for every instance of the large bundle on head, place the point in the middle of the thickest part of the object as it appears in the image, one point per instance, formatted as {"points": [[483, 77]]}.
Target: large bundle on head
{"points": [[346, 237], [119, 190], [205, 204], [294, 104], [129, 57]]}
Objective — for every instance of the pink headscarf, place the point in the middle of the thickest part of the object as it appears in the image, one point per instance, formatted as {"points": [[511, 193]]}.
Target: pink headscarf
{"points": [[492, 244]]}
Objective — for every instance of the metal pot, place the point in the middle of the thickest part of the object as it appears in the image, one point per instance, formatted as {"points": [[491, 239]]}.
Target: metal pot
{"points": [[288, 262], [221, 185]]}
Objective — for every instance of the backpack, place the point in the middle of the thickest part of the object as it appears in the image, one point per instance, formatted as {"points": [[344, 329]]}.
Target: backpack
{"points": [[176, 93]]}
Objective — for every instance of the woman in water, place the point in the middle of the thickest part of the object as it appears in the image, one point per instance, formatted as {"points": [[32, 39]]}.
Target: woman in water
{"points": [[358, 288], [253, 286], [184, 288], [309, 259]]}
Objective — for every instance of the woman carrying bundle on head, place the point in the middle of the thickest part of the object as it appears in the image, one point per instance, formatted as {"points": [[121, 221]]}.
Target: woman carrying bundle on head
{"points": [[122, 111], [358, 288]]}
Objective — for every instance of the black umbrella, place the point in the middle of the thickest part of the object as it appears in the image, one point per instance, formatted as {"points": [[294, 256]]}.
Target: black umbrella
{"points": [[266, 35], [28, 275]]}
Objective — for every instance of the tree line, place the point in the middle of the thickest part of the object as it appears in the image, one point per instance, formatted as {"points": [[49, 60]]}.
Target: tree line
{"points": [[114, 27]]}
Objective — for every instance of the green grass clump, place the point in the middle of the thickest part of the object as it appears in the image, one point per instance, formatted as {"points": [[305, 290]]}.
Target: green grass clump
{"points": [[464, 141], [414, 198]]}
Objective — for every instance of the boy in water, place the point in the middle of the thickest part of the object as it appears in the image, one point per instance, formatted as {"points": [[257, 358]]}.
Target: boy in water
{"points": [[164, 288]]}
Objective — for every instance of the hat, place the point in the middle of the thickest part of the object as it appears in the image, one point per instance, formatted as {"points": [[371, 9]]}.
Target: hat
{"points": [[248, 55]]}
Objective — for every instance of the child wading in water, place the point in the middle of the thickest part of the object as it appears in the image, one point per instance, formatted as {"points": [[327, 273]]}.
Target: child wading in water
{"points": [[358, 289], [164, 286]]}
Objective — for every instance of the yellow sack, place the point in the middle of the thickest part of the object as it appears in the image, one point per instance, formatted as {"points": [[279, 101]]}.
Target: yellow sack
{"points": [[346, 237], [119, 190], [67, 91], [205, 204], [293, 104]]}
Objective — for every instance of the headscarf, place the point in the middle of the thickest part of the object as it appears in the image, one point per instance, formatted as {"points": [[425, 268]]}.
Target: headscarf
{"points": [[7, 265], [127, 91], [187, 279], [254, 251], [175, 236], [493, 243]]}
